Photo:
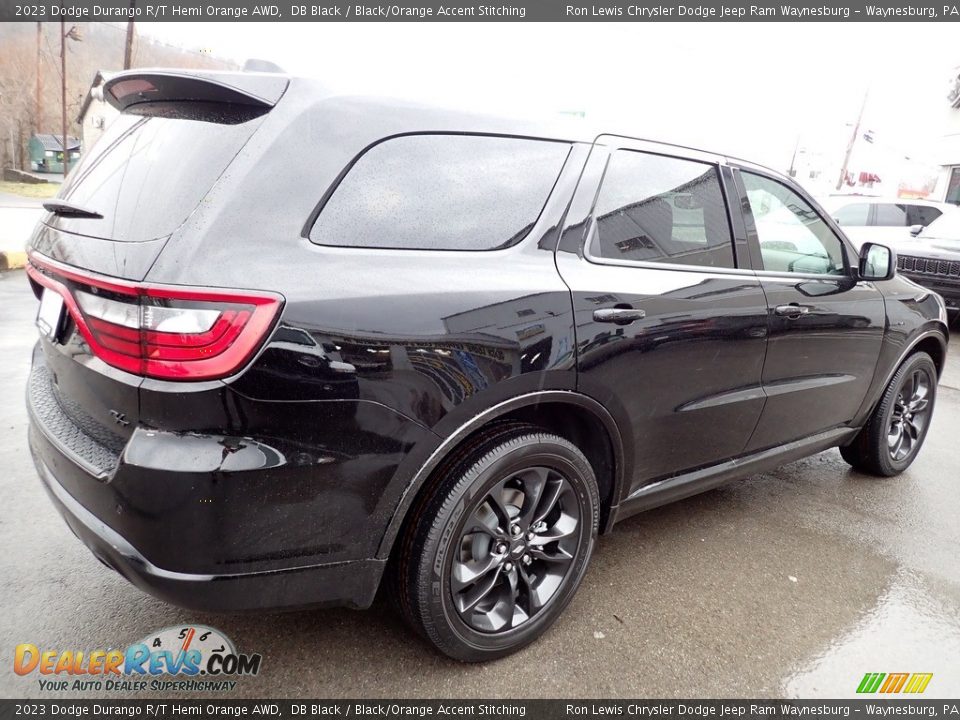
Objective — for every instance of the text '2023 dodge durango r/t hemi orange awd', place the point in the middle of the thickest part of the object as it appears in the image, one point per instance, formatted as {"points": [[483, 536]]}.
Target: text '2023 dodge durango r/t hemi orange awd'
{"points": [[441, 356]]}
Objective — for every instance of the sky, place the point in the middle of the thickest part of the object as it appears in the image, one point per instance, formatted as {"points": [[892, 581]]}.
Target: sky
{"points": [[746, 89]]}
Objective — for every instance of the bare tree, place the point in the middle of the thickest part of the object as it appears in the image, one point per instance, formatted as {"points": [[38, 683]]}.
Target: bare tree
{"points": [[103, 48], [17, 101]]}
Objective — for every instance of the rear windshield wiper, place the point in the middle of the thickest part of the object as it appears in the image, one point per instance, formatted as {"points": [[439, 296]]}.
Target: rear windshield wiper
{"points": [[62, 207]]}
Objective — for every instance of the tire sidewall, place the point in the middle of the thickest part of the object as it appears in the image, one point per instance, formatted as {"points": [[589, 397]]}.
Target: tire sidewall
{"points": [[921, 361], [438, 556]]}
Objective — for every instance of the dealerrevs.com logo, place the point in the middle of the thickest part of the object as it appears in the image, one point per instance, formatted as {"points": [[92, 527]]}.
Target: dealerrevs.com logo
{"points": [[191, 658]]}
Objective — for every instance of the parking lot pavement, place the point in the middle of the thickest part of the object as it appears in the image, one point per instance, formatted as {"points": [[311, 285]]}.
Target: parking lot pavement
{"points": [[795, 582]]}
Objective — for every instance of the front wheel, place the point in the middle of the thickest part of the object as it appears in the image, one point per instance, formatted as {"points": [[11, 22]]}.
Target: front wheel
{"points": [[896, 429], [495, 552]]}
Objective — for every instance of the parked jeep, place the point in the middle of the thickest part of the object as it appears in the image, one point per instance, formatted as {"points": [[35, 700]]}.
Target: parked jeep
{"points": [[932, 258]]}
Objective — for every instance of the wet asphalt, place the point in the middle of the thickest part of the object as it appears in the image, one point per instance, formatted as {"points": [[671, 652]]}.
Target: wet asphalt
{"points": [[791, 583]]}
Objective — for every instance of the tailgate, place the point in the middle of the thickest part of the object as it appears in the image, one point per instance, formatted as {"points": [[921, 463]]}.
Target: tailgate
{"points": [[176, 135]]}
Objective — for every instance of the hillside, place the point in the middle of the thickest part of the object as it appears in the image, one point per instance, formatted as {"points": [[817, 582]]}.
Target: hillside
{"points": [[101, 47]]}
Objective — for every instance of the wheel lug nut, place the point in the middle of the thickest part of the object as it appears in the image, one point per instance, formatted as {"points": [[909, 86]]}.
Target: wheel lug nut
{"points": [[515, 530], [508, 566], [530, 535], [527, 560], [501, 548]]}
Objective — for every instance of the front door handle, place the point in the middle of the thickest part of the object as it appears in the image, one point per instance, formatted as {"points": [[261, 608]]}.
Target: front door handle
{"points": [[619, 315], [791, 311]]}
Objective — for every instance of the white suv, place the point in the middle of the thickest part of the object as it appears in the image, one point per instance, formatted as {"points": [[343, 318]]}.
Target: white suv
{"points": [[887, 221]]}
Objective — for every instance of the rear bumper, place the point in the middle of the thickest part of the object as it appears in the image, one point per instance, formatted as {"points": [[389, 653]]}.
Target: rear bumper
{"points": [[353, 584], [228, 522]]}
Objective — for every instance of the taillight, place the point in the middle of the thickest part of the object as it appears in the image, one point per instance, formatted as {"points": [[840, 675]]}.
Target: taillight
{"points": [[132, 87], [162, 331]]}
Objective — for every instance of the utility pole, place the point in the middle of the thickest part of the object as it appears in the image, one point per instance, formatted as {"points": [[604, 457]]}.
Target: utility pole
{"points": [[792, 172], [36, 118], [853, 140], [63, 96], [128, 49], [72, 34]]}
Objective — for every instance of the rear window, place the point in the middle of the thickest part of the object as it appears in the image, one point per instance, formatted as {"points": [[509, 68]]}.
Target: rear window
{"points": [[441, 192], [147, 174]]}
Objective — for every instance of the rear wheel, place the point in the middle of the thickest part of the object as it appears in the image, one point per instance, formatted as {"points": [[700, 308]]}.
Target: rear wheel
{"points": [[493, 554], [893, 435]]}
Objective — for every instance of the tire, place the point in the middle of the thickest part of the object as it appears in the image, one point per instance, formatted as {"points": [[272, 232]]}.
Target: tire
{"points": [[454, 586], [898, 425]]}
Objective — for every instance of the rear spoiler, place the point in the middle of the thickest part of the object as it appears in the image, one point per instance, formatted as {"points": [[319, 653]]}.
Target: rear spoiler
{"points": [[256, 91]]}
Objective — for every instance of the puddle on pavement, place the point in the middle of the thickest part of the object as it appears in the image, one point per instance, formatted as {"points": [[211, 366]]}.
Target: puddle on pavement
{"points": [[912, 629]]}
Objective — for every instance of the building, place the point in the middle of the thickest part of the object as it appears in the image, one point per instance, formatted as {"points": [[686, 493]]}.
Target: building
{"points": [[96, 114], [948, 184], [46, 152]]}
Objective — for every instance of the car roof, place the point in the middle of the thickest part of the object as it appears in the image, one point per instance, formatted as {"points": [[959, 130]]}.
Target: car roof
{"points": [[838, 200], [435, 118]]}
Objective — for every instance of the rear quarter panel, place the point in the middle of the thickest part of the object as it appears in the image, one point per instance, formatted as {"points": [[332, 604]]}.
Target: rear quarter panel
{"points": [[414, 342]]}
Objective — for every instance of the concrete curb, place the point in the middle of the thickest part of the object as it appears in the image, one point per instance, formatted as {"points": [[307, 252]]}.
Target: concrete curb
{"points": [[12, 259]]}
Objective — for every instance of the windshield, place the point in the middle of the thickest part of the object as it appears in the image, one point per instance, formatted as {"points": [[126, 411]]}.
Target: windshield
{"points": [[945, 227], [147, 174]]}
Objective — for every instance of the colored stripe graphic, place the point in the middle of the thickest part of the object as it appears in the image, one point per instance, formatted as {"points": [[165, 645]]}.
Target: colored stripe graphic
{"points": [[894, 683], [918, 682], [870, 682]]}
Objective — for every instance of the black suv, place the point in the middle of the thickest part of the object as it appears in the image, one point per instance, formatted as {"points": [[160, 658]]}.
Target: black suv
{"points": [[295, 347]]}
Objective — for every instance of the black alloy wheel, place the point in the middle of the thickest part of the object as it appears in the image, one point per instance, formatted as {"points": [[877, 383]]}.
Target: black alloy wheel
{"points": [[494, 551], [911, 414], [515, 549], [893, 434]]}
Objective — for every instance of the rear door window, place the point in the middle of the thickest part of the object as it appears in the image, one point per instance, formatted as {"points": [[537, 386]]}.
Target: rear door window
{"points": [[147, 174], [653, 208], [890, 215], [441, 192], [855, 215]]}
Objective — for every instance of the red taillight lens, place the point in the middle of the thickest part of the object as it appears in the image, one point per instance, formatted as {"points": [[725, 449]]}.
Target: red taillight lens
{"points": [[133, 86], [166, 332]]}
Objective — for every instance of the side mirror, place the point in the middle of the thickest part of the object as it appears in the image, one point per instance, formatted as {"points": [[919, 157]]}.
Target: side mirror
{"points": [[916, 229], [877, 262]]}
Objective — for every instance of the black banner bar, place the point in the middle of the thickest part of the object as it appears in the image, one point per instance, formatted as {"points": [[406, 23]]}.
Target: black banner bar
{"points": [[477, 11], [216, 707]]}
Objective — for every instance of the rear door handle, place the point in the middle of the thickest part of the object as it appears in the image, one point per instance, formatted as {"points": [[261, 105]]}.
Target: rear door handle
{"points": [[791, 311], [619, 315]]}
